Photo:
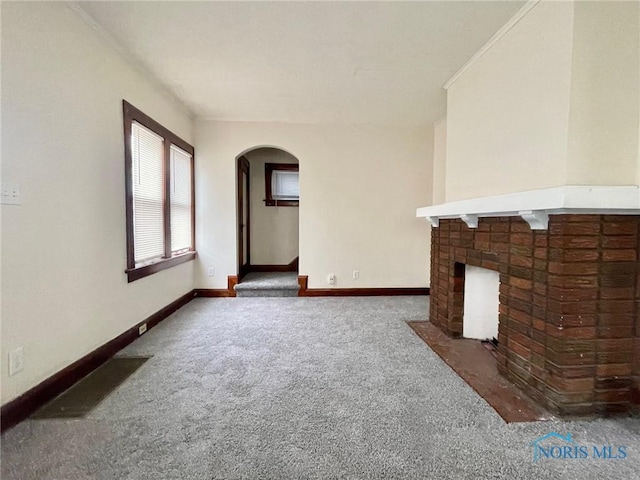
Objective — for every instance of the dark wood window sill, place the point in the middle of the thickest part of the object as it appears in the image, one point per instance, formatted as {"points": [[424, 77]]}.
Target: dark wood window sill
{"points": [[282, 203], [137, 273]]}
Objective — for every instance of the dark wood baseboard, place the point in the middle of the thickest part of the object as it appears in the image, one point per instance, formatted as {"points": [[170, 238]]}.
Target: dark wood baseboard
{"points": [[362, 292], [290, 267], [212, 292], [270, 268], [21, 407], [303, 280], [294, 264], [232, 281]]}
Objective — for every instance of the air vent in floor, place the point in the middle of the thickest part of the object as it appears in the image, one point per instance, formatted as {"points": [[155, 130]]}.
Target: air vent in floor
{"points": [[85, 395]]}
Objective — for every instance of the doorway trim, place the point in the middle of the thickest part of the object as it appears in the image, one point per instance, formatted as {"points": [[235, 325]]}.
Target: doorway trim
{"points": [[244, 264]]}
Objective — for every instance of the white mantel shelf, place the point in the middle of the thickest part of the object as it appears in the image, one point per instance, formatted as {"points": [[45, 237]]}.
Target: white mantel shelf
{"points": [[535, 206]]}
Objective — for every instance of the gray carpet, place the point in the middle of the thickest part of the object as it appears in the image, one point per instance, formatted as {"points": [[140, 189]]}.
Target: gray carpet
{"points": [[268, 284], [299, 388]]}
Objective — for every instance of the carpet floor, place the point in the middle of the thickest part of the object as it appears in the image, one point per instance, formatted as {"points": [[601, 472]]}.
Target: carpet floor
{"points": [[300, 388], [268, 284], [257, 280]]}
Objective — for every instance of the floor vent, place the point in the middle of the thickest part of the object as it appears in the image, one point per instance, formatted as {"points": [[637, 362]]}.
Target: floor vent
{"points": [[85, 395]]}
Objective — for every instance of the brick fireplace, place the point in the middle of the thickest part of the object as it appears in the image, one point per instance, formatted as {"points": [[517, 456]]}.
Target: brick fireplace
{"points": [[569, 303]]}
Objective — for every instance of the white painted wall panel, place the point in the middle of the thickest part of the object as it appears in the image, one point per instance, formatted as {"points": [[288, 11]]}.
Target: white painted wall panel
{"points": [[359, 187], [64, 290]]}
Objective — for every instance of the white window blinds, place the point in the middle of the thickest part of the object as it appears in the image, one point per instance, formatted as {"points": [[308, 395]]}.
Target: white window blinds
{"points": [[147, 150], [285, 185], [180, 200]]}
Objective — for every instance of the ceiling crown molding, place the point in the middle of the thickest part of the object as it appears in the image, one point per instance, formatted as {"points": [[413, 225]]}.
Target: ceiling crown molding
{"points": [[134, 60], [492, 41]]}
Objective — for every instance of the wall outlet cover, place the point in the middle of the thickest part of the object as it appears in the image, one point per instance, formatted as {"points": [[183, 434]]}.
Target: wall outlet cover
{"points": [[11, 194], [16, 361]]}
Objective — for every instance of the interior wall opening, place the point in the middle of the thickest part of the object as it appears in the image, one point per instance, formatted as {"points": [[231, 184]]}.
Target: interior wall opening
{"points": [[268, 219]]}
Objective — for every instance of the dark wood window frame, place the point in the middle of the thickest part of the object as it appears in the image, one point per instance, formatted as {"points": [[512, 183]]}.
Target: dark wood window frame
{"points": [[131, 114], [269, 168]]}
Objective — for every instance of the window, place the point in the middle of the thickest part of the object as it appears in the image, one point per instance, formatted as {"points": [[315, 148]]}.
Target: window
{"points": [[160, 196], [282, 184]]}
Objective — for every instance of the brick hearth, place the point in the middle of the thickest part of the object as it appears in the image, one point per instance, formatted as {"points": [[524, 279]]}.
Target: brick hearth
{"points": [[569, 333]]}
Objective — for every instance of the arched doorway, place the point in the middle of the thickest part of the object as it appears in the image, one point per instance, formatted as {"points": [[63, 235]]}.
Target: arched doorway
{"points": [[267, 211]]}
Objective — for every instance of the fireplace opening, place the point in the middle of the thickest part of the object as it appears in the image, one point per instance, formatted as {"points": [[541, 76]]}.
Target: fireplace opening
{"points": [[481, 303]]}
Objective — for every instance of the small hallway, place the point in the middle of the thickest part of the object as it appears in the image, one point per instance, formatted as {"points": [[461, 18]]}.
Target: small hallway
{"points": [[268, 189]]}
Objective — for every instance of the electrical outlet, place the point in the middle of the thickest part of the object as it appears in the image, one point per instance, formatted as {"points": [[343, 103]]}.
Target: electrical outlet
{"points": [[142, 328], [11, 194], [211, 271], [16, 361], [331, 279], [356, 274]]}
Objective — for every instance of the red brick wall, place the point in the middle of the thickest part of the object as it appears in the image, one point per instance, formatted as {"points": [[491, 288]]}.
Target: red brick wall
{"points": [[635, 379], [569, 304]]}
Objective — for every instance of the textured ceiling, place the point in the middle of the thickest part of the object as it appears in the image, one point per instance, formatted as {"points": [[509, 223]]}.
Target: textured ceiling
{"points": [[305, 62]]}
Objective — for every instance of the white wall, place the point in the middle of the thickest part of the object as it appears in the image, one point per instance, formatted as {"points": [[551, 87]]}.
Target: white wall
{"points": [[64, 290], [552, 102], [274, 230], [439, 161], [508, 114], [605, 92], [359, 189]]}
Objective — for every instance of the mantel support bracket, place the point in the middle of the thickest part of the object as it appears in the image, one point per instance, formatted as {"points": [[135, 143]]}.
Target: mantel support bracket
{"points": [[537, 220], [470, 220], [434, 221]]}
